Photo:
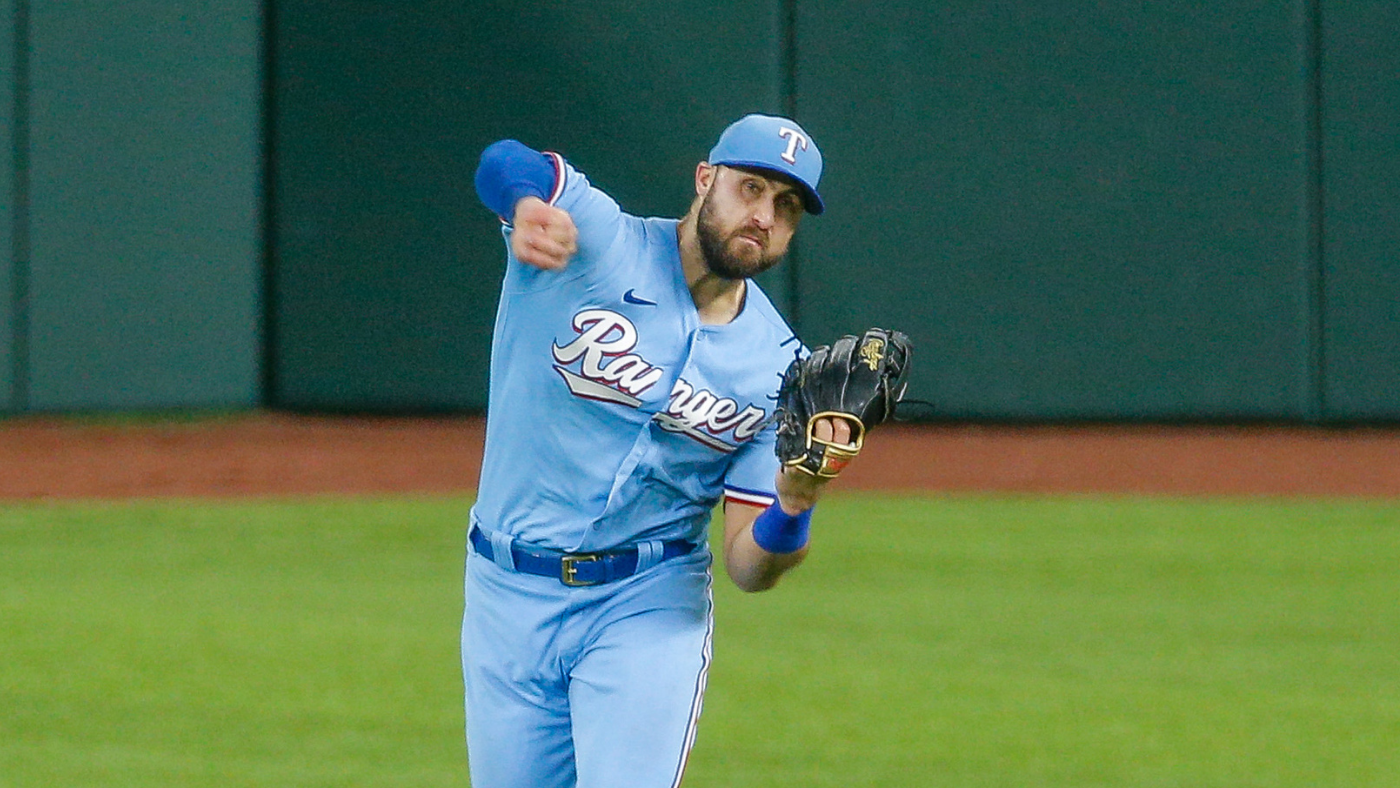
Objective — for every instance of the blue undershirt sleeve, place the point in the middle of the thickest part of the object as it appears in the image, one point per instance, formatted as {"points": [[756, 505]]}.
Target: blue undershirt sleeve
{"points": [[509, 171]]}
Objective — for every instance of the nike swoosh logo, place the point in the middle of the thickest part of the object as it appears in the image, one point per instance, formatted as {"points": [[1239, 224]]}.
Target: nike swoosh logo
{"points": [[631, 298]]}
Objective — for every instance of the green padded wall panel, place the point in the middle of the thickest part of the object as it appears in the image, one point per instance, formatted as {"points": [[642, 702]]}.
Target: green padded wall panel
{"points": [[7, 193], [1079, 210], [387, 269], [1361, 101], [145, 271]]}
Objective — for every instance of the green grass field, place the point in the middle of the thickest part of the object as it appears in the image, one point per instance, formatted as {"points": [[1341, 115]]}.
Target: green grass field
{"points": [[929, 641]]}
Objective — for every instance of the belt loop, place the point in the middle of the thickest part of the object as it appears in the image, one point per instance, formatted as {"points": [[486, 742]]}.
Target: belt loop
{"points": [[648, 555], [501, 551]]}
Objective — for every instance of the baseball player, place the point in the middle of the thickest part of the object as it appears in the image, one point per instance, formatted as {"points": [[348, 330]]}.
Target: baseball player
{"points": [[634, 373]]}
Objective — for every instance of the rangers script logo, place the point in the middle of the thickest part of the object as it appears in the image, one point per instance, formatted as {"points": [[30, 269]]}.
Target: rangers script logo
{"points": [[608, 371], [705, 417]]}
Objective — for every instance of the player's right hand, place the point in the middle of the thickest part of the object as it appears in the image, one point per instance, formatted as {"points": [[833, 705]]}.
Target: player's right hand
{"points": [[544, 236]]}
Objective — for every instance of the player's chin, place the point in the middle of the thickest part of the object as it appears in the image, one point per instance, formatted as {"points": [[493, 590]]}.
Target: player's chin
{"points": [[750, 259], [731, 268]]}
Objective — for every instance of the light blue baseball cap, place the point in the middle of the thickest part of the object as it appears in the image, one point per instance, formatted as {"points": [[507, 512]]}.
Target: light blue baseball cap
{"points": [[777, 144]]}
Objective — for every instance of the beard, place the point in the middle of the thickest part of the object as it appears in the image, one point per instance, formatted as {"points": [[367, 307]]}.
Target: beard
{"points": [[715, 248]]}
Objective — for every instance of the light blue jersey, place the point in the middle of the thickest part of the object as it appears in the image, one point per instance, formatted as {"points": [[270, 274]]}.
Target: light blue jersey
{"points": [[617, 422], [615, 416]]}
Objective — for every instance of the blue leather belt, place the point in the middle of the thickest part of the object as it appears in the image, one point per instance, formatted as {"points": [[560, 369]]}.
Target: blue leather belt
{"points": [[577, 569]]}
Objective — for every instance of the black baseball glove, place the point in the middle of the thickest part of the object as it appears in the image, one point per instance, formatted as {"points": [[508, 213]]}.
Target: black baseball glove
{"points": [[858, 379]]}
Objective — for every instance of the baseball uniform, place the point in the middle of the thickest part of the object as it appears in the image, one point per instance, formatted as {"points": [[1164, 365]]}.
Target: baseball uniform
{"points": [[617, 421]]}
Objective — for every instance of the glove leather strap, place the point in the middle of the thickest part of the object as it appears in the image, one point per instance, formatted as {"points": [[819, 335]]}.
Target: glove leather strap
{"points": [[832, 457]]}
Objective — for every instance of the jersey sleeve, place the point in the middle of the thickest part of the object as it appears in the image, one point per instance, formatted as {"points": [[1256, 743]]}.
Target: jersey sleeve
{"points": [[750, 478], [597, 217], [510, 171]]}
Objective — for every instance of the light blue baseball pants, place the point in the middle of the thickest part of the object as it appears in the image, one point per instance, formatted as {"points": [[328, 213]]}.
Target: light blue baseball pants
{"points": [[595, 687]]}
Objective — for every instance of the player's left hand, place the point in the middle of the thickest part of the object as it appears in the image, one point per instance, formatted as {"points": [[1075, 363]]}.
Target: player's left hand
{"points": [[854, 384], [798, 490]]}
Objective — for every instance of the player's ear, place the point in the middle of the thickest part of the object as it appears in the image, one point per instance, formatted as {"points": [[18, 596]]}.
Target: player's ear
{"points": [[704, 178]]}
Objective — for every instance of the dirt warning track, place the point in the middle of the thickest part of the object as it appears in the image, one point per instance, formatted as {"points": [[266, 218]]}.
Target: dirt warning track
{"points": [[284, 454]]}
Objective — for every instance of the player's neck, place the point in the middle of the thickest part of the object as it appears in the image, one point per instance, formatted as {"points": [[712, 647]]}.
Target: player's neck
{"points": [[718, 300]]}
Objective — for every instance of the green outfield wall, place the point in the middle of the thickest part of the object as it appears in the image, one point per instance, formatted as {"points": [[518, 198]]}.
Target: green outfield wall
{"points": [[143, 270], [1080, 211], [386, 266], [8, 26], [1361, 175]]}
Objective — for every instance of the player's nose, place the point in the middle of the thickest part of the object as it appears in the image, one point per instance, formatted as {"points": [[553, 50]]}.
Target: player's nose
{"points": [[763, 214]]}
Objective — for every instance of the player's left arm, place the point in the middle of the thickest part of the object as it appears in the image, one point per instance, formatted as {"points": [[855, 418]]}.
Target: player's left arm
{"points": [[756, 563]]}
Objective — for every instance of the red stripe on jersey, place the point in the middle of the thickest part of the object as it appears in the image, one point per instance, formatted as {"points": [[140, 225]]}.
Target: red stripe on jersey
{"points": [[558, 162], [748, 499]]}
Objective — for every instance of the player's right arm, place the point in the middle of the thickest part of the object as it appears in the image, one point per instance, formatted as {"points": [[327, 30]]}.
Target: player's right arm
{"points": [[552, 211]]}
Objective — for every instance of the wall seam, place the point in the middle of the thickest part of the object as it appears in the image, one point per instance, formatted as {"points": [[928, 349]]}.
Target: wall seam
{"points": [[788, 89], [268, 395], [1317, 216], [20, 245]]}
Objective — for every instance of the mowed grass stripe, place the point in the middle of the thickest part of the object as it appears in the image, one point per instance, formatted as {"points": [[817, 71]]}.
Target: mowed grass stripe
{"points": [[1068, 642], [264, 644], [928, 641]]}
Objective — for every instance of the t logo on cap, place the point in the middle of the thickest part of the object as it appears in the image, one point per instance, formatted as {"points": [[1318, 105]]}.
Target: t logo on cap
{"points": [[796, 139], [748, 142]]}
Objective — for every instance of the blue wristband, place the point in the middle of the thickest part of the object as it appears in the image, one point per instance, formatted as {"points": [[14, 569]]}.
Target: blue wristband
{"points": [[779, 532], [510, 171]]}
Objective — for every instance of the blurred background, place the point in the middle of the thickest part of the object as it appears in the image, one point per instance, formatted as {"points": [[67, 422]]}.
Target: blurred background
{"points": [[1172, 211]]}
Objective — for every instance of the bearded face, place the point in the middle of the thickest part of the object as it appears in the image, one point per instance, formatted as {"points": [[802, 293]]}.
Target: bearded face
{"points": [[735, 245]]}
